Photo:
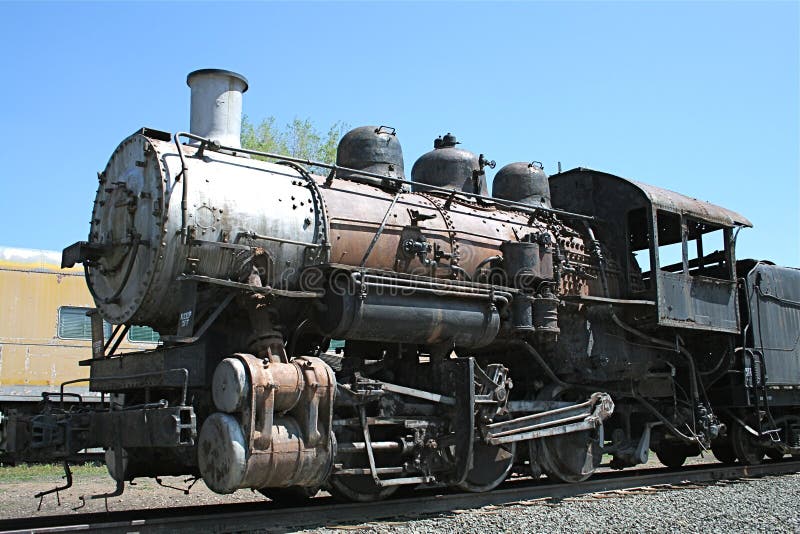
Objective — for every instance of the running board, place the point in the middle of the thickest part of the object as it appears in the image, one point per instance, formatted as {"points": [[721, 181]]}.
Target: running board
{"points": [[586, 415]]}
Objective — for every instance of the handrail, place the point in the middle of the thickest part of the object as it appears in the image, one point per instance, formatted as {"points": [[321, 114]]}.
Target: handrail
{"points": [[182, 370], [502, 202], [380, 230]]}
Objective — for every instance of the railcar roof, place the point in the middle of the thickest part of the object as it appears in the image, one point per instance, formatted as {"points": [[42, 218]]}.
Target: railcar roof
{"points": [[34, 260], [675, 202]]}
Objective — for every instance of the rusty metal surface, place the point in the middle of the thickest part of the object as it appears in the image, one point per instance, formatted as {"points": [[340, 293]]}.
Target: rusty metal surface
{"points": [[678, 203], [279, 434], [355, 212], [668, 200], [685, 299], [374, 149], [697, 302], [523, 182], [450, 297], [467, 231], [231, 204], [451, 167]]}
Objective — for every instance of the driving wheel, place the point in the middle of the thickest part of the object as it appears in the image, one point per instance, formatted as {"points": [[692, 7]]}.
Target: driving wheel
{"points": [[570, 457], [745, 446], [491, 465], [723, 451], [289, 495], [673, 455]]}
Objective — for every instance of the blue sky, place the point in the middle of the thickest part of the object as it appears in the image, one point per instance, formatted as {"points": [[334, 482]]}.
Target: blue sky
{"points": [[700, 98]]}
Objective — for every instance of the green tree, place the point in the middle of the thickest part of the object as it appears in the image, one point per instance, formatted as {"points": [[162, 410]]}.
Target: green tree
{"points": [[299, 139]]}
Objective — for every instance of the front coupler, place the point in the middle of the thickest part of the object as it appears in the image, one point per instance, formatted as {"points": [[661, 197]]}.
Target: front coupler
{"points": [[57, 434]]}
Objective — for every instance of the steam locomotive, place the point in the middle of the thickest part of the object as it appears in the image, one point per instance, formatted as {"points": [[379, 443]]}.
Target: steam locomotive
{"points": [[534, 330]]}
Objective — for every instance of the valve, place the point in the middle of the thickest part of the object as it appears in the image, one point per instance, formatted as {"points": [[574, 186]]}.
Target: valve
{"points": [[483, 162], [416, 216], [415, 247]]}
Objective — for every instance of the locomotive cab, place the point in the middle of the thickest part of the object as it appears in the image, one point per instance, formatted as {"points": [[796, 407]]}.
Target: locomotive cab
{"points": [[680, 250]]}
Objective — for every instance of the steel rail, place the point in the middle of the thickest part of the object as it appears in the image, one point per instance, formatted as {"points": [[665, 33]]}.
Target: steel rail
{"points": [[324, 511]]}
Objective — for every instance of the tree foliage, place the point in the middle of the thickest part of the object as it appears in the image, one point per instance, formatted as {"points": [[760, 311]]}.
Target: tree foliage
{"points": [[300, 139]]}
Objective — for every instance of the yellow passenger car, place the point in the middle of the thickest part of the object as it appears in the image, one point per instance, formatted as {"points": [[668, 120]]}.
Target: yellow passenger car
{"points": [[44, 329]]}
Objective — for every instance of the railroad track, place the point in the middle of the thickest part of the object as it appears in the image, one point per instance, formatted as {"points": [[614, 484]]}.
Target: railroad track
{"points": [[325, 511]]}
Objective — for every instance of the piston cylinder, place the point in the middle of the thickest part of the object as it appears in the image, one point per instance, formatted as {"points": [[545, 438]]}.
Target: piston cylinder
{"points": [[545, 315], [522, 313], [385, 312], [228, 463], [525, 262], [274, 427]]}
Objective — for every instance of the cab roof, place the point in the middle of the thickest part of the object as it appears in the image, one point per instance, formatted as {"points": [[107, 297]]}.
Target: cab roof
{"points": [[667, 200]]}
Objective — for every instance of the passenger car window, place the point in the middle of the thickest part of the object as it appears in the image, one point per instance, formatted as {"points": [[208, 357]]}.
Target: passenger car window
{"points": [[143, 334], [73, 323]]}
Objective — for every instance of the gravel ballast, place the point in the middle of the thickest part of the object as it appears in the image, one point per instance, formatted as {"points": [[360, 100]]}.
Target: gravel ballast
{"points": [[770, 504]]}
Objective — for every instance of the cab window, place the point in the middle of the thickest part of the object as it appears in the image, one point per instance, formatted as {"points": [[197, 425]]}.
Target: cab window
{"points": [[640, 270], [707, 250], [670, 242]]}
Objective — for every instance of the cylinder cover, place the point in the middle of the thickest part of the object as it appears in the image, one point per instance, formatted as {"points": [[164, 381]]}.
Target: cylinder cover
{"points": [[222, 453], [526, 262], [373, 149], [230, 385], [449, 167], [522, 182]]}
